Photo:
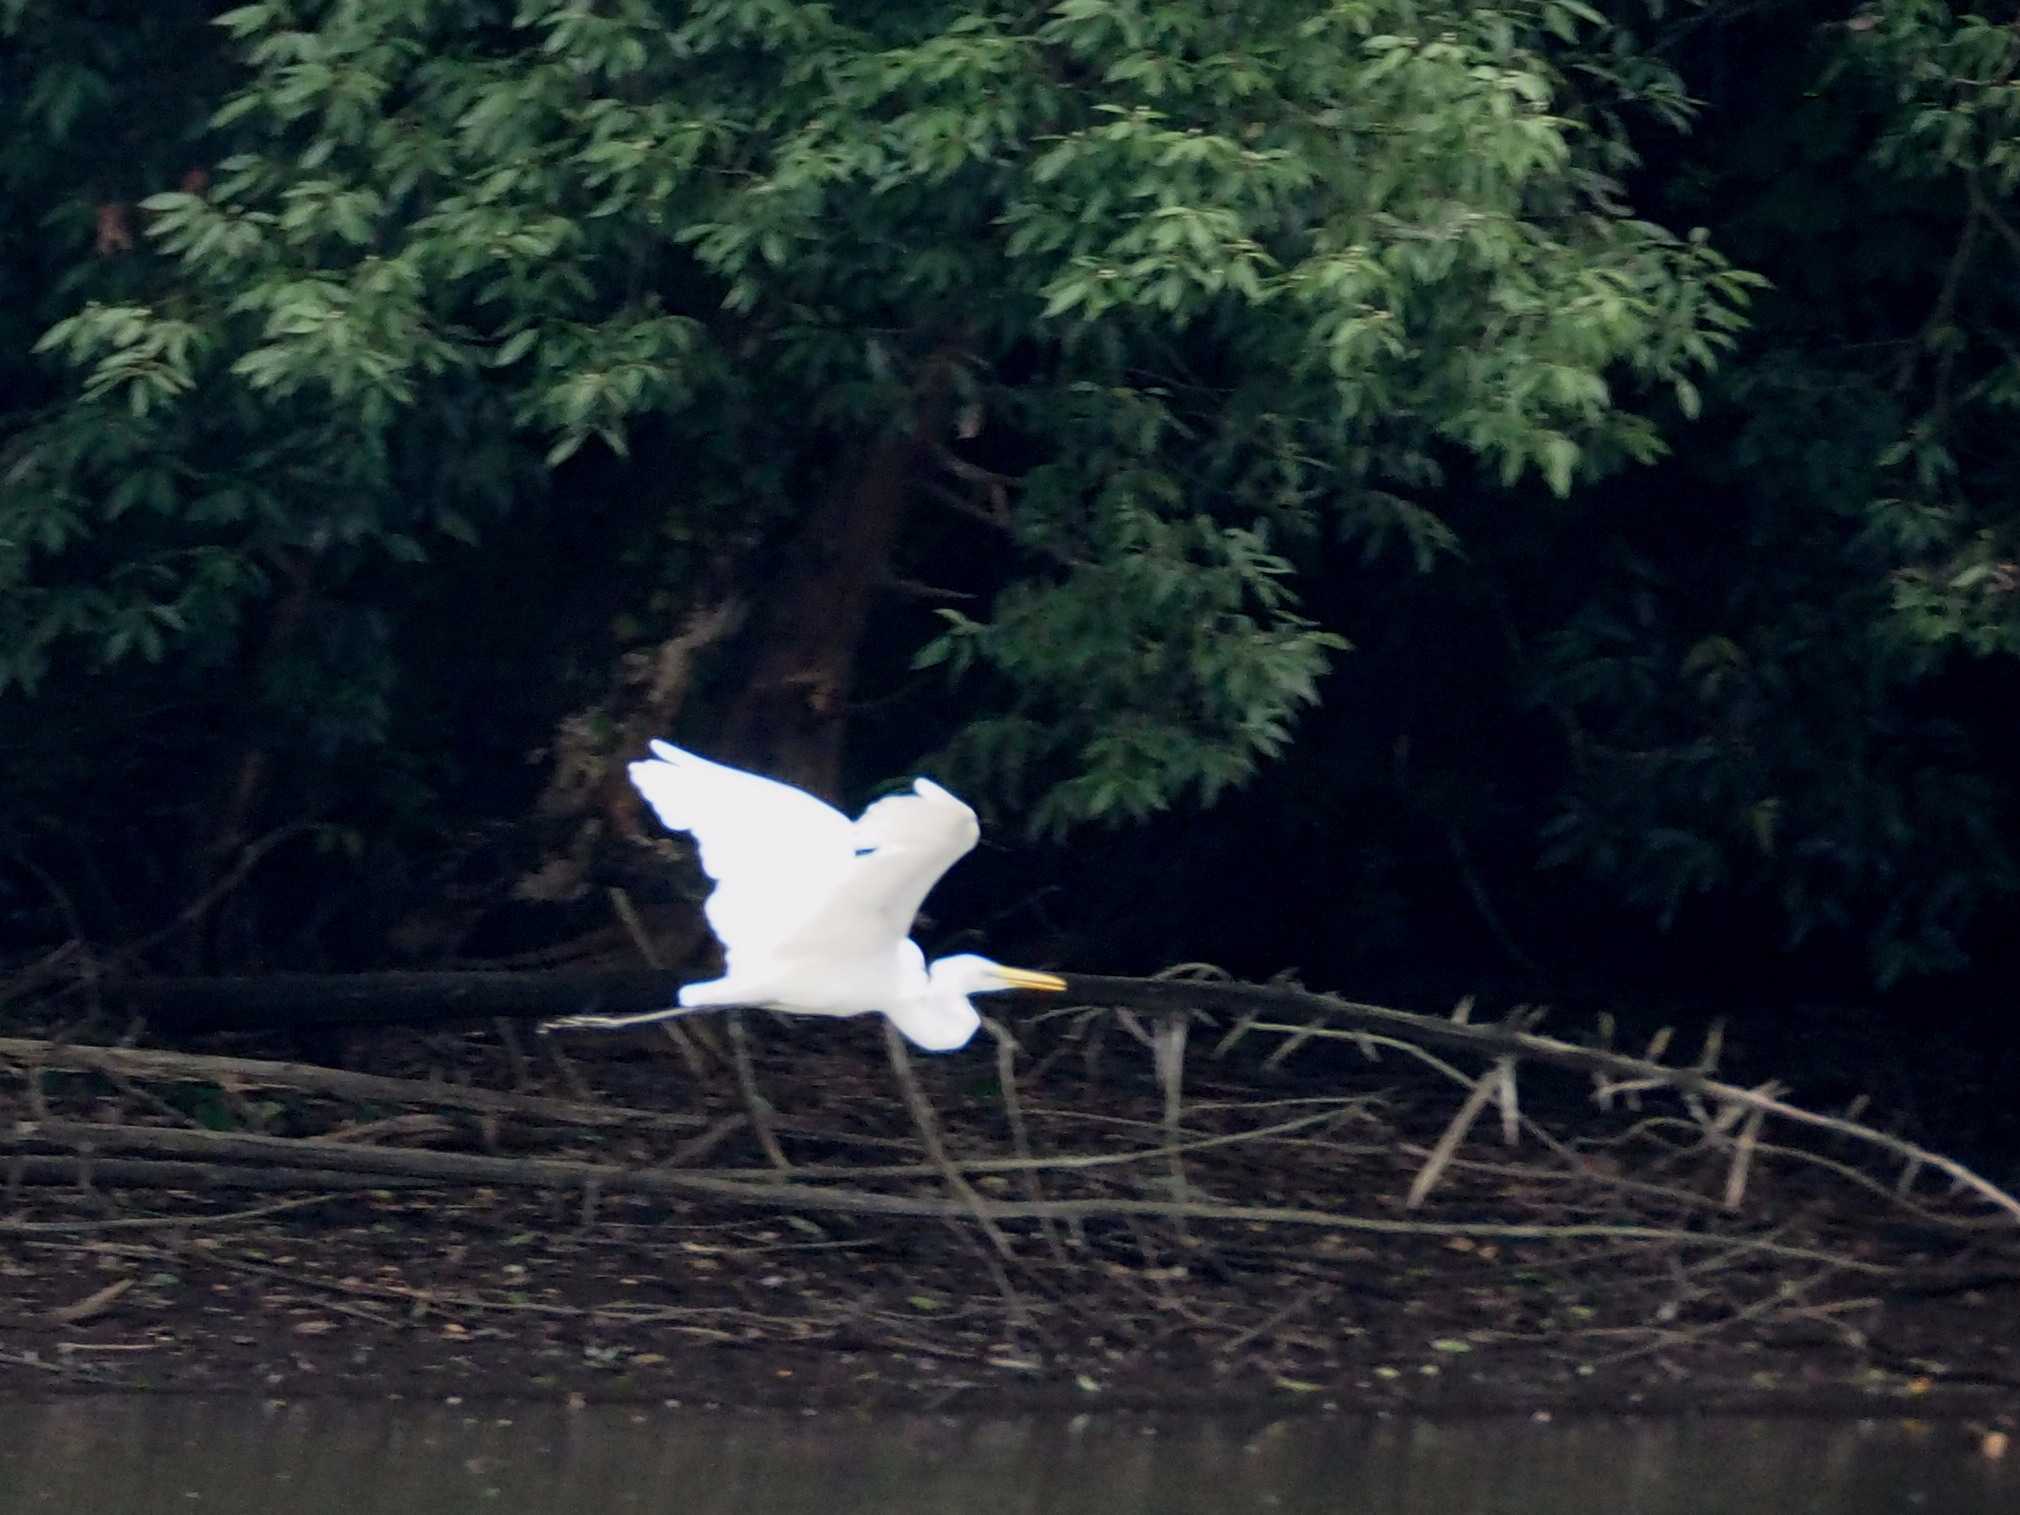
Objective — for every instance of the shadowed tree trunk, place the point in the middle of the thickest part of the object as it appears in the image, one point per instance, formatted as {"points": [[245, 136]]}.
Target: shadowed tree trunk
{"points": [[806, 608], [791, 718]]}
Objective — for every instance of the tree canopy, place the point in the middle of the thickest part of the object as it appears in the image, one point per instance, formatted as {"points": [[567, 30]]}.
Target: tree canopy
{"points": [[1051, 394]]}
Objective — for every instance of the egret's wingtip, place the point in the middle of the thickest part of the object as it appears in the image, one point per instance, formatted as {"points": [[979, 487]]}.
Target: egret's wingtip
{"points": [[926, 789], [666, 752]]}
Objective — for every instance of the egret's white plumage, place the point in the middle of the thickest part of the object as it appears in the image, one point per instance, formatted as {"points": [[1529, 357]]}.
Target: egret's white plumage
{"points": [[813, 909]]}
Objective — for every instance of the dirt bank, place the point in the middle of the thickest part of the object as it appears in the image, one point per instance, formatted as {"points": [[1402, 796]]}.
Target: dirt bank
{"points": [[1251, 1245]]}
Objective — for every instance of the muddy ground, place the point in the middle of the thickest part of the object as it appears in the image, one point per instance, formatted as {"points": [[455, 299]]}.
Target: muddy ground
{"points": [[1592, 1265]]}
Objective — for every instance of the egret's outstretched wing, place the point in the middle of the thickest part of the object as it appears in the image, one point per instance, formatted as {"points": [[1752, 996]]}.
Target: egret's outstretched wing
{"points": [[795, 878], [778, 855], [904, 843]]}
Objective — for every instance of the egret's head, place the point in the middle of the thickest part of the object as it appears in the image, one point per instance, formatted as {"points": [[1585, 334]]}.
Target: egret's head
{"points": [[942, 1019], [966, 974]]}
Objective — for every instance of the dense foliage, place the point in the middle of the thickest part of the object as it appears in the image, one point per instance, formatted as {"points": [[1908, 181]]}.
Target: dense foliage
{"points": [[1808, 705], [401, 368]]}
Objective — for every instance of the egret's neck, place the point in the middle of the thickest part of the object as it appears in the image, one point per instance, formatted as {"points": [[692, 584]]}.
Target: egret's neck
{"points": [[934, 1014], [915, 980]]}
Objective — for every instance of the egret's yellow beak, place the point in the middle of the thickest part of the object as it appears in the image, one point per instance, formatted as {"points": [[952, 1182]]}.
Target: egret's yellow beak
{"points": [[1024, 978]]}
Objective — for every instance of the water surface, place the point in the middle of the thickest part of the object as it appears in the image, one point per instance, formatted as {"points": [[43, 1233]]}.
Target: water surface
{"points": [[136, 1455]]}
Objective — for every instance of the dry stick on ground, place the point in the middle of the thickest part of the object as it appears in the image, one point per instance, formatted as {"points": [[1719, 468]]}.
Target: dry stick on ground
{"points": [[180, 1174], [431, 1299], [928, 1124], [143, 1062], [368, 1087], [543, 1173], [1511, 1120], [1370, 1040], [570, 1074], [1549, 1049], [1510, 1102], [515, 1054], [1484, 1088], [373, 1088], [1284, 1051], [413, 1123], [148, 1099], [1575, 1170], [1167, 1051], [693, 1151], [150, 1063], [170, 1223], [1058, 1163], [754, 1102], [1014, 1305], [1742, 1159], [1020, 1137], [678, 1036], [1649, 1125]]}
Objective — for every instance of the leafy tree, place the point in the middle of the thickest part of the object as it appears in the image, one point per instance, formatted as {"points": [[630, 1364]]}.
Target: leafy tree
{"points": [[1792, 696], [1112, 316], [1950, 137]]}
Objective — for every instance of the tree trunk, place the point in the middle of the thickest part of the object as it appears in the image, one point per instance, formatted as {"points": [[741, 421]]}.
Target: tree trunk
{"points": [[791, 719]]}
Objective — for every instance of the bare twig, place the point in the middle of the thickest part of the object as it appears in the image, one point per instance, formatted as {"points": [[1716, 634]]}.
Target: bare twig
{"points": [[1742, 1159], [1550, 1050], [1020, 1137], [246, 1072], [755, 1105], [1168, 1054], [1648, 1125], [1511, 1105], [682, 1038], [466, 1168], [249, 858], [168, 1222], [515, 1054], [928, 1124], [1484, 1088], [87, 963]]}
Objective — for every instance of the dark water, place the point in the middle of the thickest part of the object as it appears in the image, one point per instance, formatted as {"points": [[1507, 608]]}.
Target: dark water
{"points": [[136, 1456]]}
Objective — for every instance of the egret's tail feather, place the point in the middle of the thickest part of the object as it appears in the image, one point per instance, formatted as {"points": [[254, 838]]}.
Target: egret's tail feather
{"points": [[608, 1022], [714, 993], [711, 994]]}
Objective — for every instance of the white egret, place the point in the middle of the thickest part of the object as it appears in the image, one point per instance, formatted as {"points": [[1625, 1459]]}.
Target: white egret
{"points": [[813, 910]]}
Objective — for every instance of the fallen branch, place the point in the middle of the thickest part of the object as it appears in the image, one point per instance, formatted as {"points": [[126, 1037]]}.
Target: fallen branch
{"points": [[176, 1222], [927, 1123], [299, 998], [276, 1001], [1483, 1090], [82, 1172], [546, 1173], [260, 1073], [296, 999], [1491, 1041]]}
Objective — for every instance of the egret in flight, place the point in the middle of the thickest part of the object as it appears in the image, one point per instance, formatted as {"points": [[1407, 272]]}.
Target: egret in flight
{"points": [[814, 909]]}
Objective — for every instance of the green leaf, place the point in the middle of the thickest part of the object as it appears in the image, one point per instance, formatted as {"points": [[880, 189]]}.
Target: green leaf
{"points": [[515, 347]]}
